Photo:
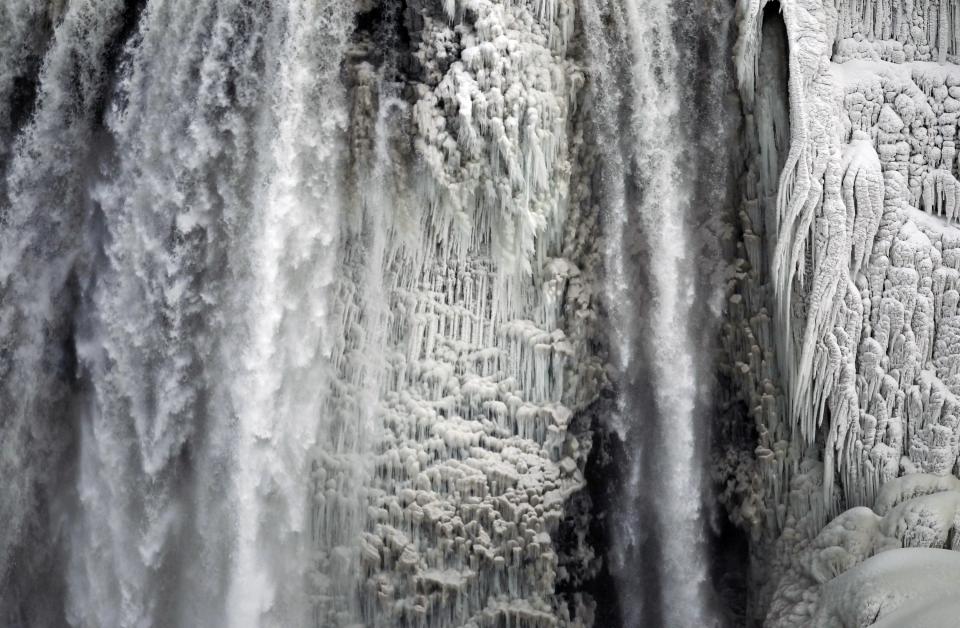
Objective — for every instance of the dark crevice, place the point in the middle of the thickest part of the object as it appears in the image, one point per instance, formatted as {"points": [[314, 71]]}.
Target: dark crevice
{"points": [[773, 99], [23, 99], [115, 53], [600, 469], [579, 541], [383, 37]]}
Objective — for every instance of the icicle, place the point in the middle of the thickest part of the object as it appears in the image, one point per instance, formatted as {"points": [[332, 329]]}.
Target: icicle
{"points": [[863, 196]]}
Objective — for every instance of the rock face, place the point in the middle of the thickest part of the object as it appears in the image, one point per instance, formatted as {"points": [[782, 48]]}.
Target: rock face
{"points": [[842, 314]]}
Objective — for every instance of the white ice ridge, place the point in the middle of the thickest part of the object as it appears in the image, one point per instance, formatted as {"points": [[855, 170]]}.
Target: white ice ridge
{"points": [[843, 324]]}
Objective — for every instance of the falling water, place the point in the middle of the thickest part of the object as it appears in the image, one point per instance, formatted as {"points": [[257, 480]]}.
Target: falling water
{"points": [[656, 284], [672, 485], [181, 175]]}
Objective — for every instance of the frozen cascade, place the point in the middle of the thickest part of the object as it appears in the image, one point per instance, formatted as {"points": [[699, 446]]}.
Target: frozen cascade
{"points": [[841, 312]]}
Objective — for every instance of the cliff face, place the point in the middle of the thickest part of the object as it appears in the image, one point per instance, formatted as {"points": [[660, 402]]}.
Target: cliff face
{"points": [[843, 310]]}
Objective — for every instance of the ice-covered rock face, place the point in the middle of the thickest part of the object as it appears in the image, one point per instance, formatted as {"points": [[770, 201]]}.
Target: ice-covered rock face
{"points": [[487, 307], [492, 121], [842, 329]]}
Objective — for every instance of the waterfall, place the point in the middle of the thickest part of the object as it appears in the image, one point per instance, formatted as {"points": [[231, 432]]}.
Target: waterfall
{"points": [[661, 425], [656, 291], [310, 310], [186, 192]]}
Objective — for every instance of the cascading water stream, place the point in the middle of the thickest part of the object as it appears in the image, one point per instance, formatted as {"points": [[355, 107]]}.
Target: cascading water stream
{"points": [[182, 175], [280, 393], [659, 544], [672, 484]]}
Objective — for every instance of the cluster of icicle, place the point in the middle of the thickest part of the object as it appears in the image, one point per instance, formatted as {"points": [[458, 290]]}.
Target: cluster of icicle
{"points": [[484, 362], [905, 30], [843, 308], [491, 119]]}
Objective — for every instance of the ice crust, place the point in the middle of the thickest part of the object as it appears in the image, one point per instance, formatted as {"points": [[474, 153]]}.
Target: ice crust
{"points": [[843, 320], [869, 560], [916, 588]]}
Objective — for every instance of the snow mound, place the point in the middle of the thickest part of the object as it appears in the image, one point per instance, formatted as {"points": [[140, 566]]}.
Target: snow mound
{"points": [[892, 586]]}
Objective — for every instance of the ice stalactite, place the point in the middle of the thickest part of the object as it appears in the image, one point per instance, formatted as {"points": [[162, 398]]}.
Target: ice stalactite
{"points": [[863, 198], [902, 30], [493, 162]]}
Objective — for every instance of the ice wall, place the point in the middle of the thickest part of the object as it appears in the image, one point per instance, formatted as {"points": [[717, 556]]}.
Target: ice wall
{"points": [[489, 310], [841, 311]]}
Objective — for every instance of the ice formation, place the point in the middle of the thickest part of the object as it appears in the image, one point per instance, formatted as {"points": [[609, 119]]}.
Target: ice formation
{"points": [[869, 566], [476, 458], [841, 313]]}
